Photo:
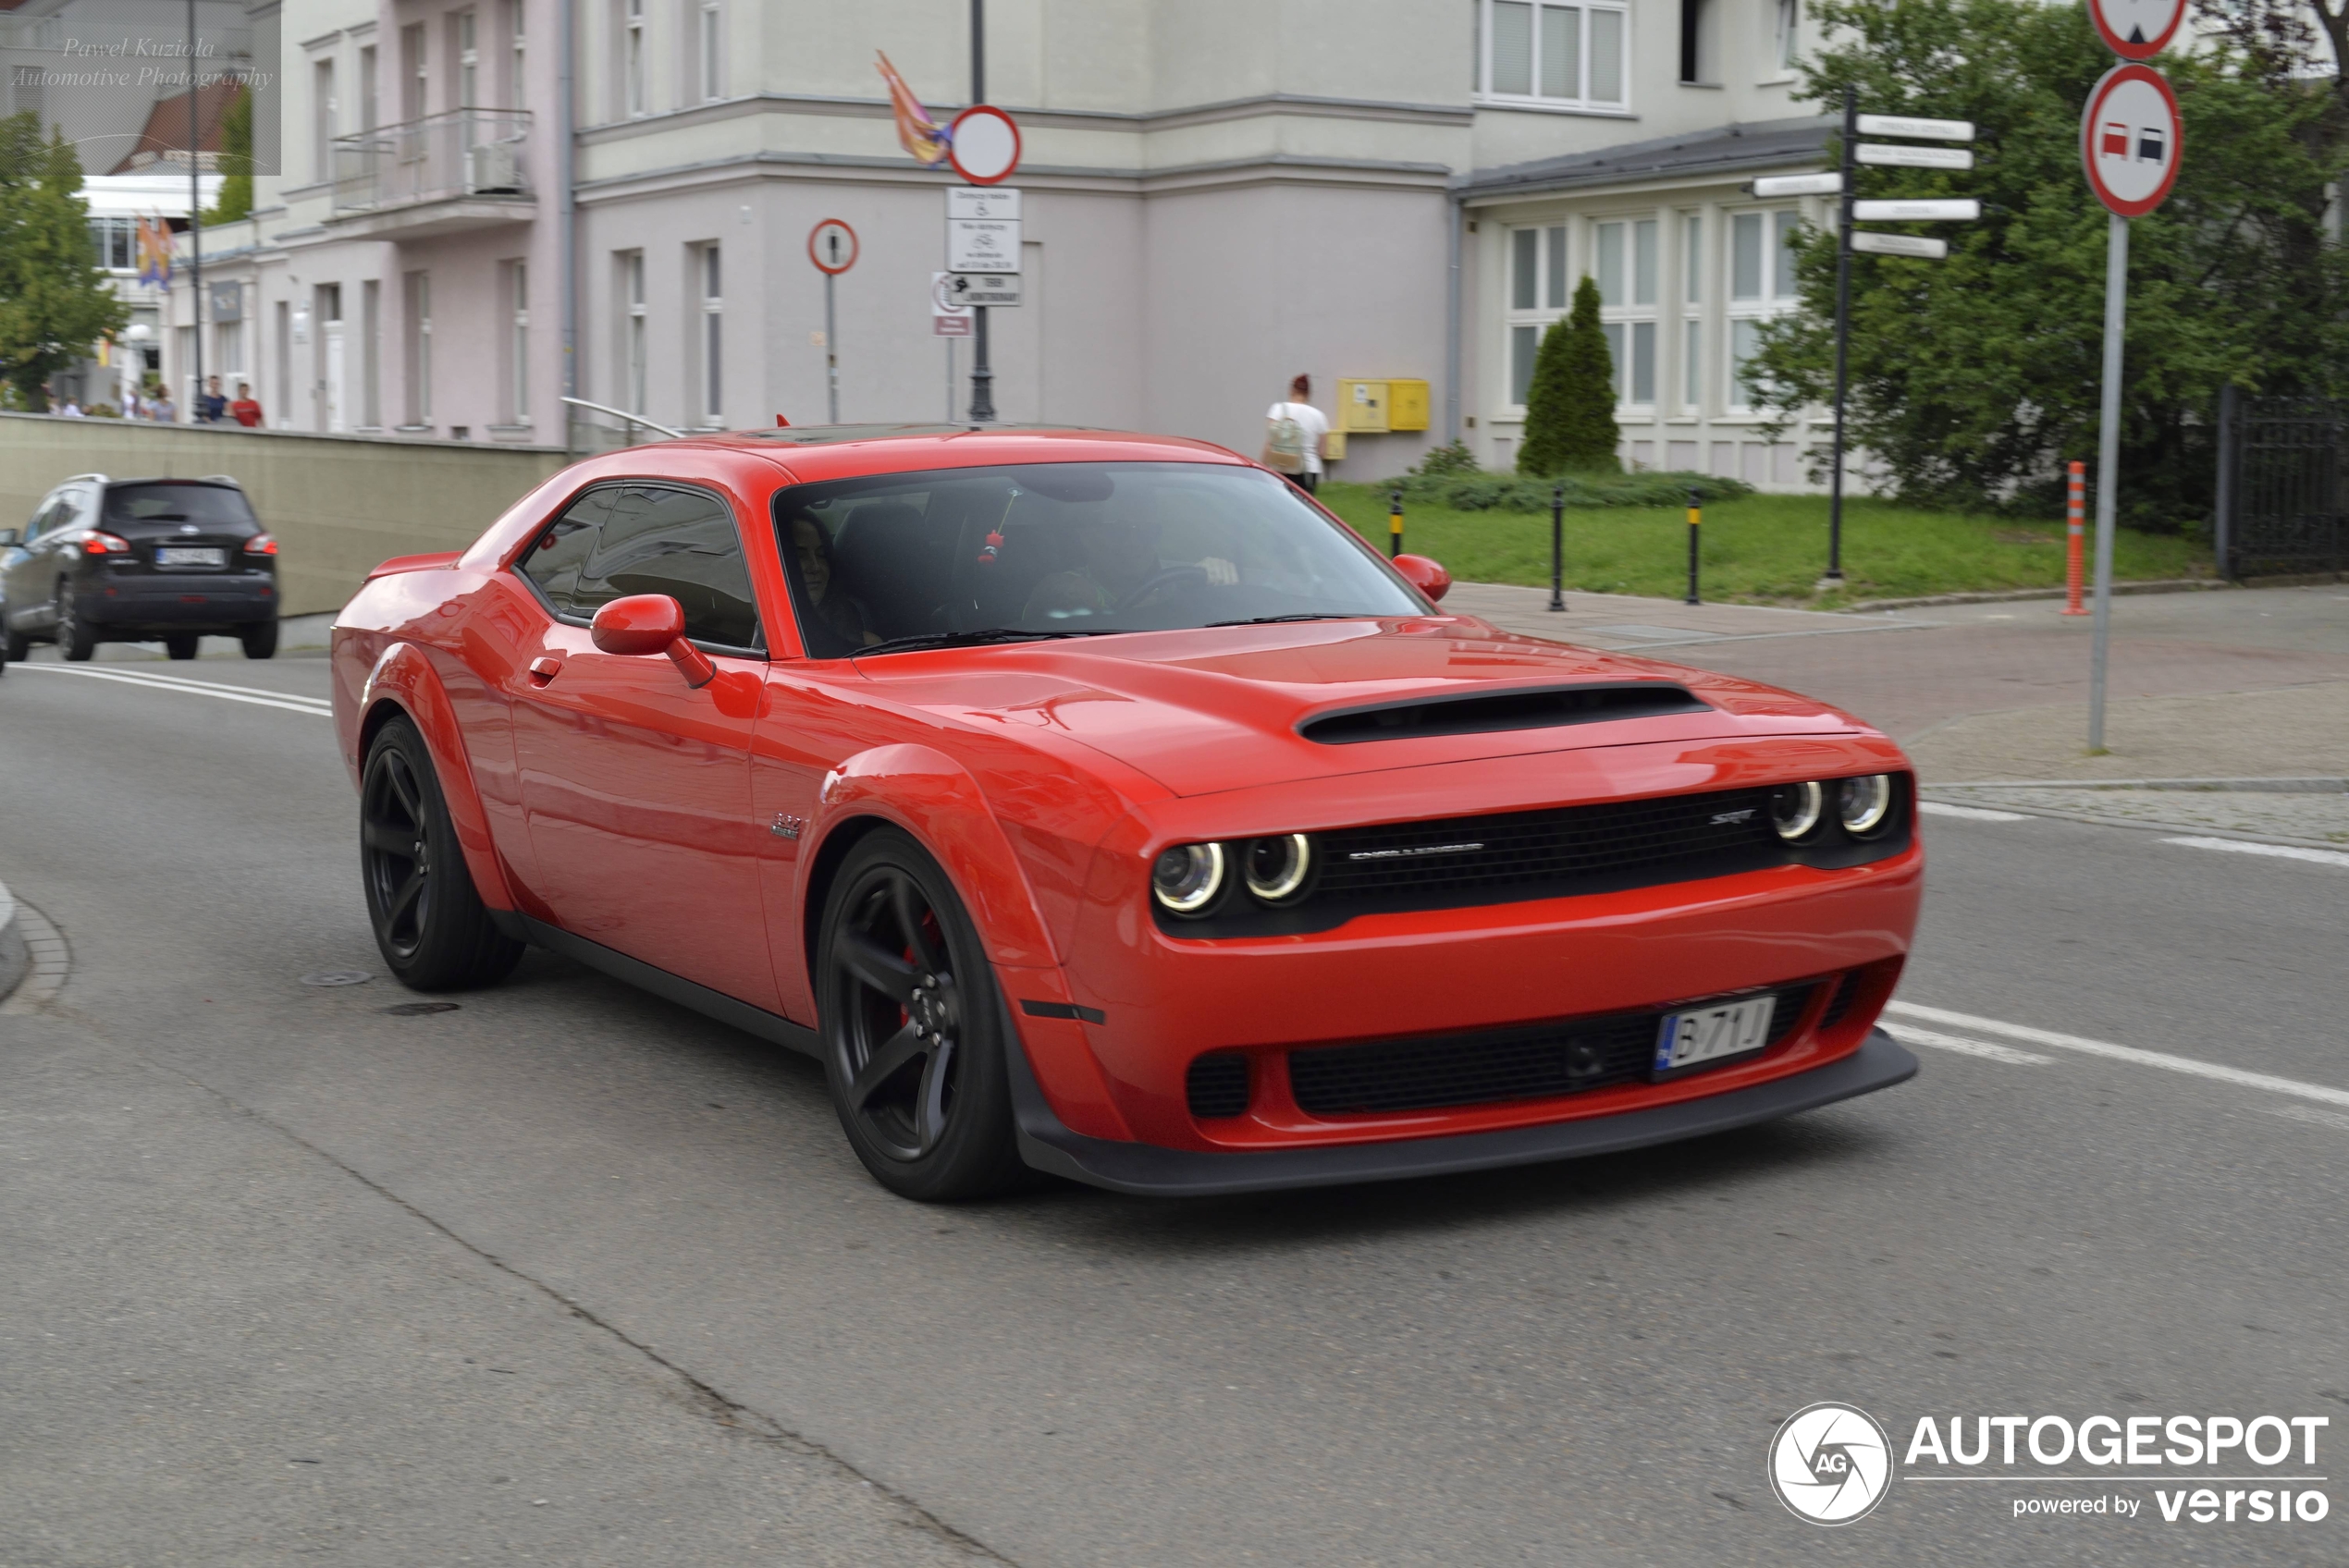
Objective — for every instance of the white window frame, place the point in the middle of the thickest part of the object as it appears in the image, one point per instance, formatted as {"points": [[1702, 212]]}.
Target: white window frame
{"points": [[1581, 98], [633, 332], [1777, 294], [468, 26], [636, 75], [1552, 294], [517, 58], [1624, 314], [1693, 225], [1787, 37], [325, 124], [710, 283], [710, 50], [518, 342]]}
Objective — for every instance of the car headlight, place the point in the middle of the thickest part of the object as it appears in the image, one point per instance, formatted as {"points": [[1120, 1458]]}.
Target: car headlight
{"points": [[1187, 878], [1864, 804], [1795, 810], [1276, 869]]}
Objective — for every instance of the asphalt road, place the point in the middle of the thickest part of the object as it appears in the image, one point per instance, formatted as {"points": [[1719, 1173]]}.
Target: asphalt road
{"points": [[570, 1275]]}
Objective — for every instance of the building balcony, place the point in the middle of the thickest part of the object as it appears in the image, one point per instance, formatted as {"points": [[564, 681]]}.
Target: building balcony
{"points": [[444, 174]]}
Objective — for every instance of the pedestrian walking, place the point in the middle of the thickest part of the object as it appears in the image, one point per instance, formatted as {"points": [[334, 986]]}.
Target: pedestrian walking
{"points": [[1295, 434], [212, 406], [244, 410], [161, 408], [134, 406]]}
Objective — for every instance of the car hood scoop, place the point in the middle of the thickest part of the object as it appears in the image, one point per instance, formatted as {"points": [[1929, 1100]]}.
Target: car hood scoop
{"points": [[1526, 708]]}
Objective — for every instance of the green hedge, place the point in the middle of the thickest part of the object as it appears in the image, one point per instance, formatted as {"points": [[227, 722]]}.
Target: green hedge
{"points": [[1520, 493]]}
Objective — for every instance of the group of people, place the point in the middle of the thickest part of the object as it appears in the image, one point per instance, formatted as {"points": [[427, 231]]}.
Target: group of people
{"points": [[154, 403]]}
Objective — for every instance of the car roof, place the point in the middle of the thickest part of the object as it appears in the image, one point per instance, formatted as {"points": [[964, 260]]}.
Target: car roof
{"points": [[838, 451]]}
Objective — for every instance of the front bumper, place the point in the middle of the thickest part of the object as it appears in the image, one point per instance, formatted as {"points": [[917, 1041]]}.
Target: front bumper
{"points": [[1152, 1170], [189, 602]]}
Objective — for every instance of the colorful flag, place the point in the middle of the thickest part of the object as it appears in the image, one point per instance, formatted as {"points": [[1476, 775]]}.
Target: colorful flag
{"points": [[916, 132], [154, 253]]}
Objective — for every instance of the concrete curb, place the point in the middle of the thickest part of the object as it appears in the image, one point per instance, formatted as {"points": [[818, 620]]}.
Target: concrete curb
{"points": [[2266, 786], [2138, 824], [15, 959], [2016, 595]]}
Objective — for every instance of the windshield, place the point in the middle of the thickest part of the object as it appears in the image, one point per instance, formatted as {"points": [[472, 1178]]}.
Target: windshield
{"points": [[1064, 549], [177, 503]]}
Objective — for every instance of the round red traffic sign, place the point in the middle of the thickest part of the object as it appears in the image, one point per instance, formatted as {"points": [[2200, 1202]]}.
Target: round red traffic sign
{"points": [[2130, 140], [832, 245], [2137, 30], [983, 144]]}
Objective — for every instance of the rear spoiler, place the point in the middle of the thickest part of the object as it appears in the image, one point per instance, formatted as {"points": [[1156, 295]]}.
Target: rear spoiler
{"points": [[399, 564]]}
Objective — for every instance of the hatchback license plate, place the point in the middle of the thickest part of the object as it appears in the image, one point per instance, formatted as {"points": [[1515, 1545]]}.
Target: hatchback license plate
{"points": [[190, 554], [1707, 1034]]}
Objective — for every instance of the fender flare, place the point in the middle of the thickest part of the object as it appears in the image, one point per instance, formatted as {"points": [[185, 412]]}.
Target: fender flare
{"points": [[934, 798], [403, 679]]}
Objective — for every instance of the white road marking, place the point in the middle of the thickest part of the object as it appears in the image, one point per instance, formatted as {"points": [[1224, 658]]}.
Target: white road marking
{"points": [[2281, 852], [2309, 1113], [1909, 1034], [1972, 814], [288, 700], [2163, 1059]]}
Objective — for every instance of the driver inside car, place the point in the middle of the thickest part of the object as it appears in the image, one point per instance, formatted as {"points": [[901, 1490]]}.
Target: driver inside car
{"points": [[1117, 549]]}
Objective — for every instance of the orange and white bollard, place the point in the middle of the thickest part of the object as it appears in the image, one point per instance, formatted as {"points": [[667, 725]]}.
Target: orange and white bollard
{"points": [[2074, 539]]}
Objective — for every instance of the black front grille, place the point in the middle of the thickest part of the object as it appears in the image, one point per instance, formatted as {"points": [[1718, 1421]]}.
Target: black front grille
{"points": [[1480, 852], [1534, 1062], [1217, 1085], [1847, 991]]}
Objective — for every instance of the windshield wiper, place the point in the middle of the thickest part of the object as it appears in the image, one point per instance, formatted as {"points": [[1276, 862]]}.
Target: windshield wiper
{"points": [[966, 640], [1308, 615]]}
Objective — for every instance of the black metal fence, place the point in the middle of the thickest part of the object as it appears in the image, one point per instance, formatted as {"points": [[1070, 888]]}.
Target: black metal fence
{"points": [[2284, 487]]}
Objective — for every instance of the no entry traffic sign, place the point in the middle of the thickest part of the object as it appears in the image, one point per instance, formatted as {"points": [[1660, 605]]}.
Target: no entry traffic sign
{"points": [[2130, 140], [832, 245], [984, 144], [2137, 30]]}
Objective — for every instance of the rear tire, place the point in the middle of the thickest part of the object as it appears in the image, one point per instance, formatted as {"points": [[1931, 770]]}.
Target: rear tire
{"points": [[430, 923], [181, 644], [18, 646], [76, 638], [913, 1036], [260, 639]]}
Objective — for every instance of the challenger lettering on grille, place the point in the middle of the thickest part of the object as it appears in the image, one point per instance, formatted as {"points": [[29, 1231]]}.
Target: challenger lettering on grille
{"points": [[1410, 853]]}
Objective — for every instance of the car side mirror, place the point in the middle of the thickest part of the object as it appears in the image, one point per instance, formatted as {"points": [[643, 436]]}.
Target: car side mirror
{"points": [[7, 537], [1427, 576], [651, 623]]}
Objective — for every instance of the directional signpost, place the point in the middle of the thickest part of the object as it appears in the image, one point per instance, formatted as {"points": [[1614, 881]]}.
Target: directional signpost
{"points": [[832, 245], [2131, 137], [1886, 154], [982, 222]]}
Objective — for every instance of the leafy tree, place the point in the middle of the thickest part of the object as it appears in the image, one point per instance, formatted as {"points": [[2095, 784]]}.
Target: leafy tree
{"points": [[1570, 412], [1975, 379], [54, 302], [236, 162]]}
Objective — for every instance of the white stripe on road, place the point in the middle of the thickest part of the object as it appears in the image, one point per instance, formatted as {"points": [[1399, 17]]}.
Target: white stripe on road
{"points": [[2282, 852], [1909, 1034], [2163, 1060], [288, 701], [2332, 1119], [1972, 814]]}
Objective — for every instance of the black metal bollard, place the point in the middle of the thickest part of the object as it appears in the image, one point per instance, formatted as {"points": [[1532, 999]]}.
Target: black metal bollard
{"points": [[1557, 546], [1696, 519], [1393, 524]]}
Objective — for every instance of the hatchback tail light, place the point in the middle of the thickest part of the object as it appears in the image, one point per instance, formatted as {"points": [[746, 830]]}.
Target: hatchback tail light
{"points": [[100, 544], [261, 544]]}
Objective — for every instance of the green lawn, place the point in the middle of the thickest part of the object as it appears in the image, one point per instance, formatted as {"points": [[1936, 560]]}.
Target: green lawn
{"points": [[1767, 549]]}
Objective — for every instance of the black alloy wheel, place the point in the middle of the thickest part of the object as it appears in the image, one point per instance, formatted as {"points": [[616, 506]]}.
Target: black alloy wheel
{"points": [[76, 638], [181, 644], [431, 925], [914, 1044]]}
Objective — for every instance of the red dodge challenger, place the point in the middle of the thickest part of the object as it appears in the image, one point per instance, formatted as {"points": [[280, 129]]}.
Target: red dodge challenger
{"points": [[1098, 803]]}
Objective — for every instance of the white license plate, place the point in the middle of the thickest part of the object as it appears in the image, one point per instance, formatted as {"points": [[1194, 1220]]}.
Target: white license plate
{"points": [[1714, 1033], [190, 554]]}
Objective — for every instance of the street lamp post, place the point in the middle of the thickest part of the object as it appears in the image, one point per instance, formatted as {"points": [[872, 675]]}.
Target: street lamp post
{"points": [[982, 374]]}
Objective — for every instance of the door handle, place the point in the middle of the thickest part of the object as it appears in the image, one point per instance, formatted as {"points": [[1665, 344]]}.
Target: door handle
{"points": [[543, 668]]}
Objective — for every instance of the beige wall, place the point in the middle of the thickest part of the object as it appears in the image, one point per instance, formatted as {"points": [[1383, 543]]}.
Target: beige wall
{"points": [[337, 504]]}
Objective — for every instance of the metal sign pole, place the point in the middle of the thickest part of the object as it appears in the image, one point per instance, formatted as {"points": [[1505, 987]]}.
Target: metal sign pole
{"points": [[982, 373], [2115, 311], [831, 346], [196, 224], [1842, 328]]}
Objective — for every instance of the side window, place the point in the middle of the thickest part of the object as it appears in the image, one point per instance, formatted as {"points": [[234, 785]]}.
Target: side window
{"points": [[40, 523], [681, 543], [554, 562]]}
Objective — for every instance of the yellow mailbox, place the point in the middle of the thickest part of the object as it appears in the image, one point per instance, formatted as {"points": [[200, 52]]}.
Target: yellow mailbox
{"points": [[1407, 405], [1361, 406]]}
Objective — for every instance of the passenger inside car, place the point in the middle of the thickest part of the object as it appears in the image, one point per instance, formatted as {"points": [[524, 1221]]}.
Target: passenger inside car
{"points": [[840, 611]]}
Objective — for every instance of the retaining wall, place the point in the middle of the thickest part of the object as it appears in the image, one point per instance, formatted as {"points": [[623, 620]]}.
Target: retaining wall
{"points": [[337, 504]]}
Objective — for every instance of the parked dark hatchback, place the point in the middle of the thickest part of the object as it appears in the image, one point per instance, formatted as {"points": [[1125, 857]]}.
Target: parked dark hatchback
{"points": [[139, 561]]}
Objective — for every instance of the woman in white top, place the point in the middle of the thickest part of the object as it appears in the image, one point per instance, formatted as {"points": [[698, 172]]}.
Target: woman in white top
{"points": [[1293, 436]]}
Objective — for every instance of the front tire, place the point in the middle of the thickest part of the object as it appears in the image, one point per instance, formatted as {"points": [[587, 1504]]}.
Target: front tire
{"points": [[431, 925], [181, 644], [76, 638], [914, 1042], [260, 639]]}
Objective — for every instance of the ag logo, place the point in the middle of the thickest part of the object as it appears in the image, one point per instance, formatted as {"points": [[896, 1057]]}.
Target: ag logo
{"points": [[1830, 1463]]}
